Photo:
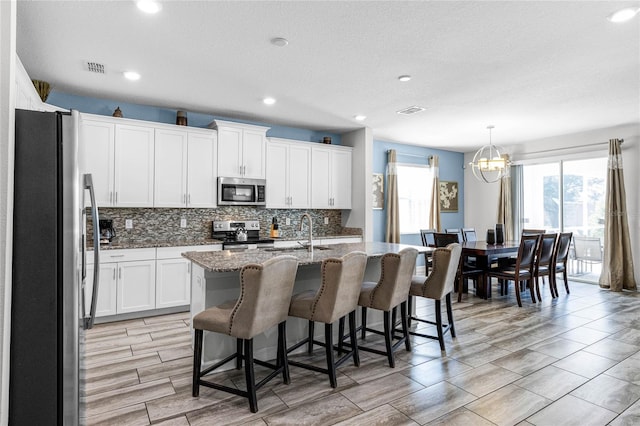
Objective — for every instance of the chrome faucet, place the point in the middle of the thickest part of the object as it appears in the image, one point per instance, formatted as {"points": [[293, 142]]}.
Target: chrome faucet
{"points": [[310, 247]]}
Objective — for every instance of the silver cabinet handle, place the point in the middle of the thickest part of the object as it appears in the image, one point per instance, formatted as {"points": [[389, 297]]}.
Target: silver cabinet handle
{"points": [[110, 197], [116, 255], [116, 201], [189, 199], [114, 275], [119, 273]]}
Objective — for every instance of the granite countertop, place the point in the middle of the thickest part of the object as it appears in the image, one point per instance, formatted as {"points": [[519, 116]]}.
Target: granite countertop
{"points": [[230, 260], [154, 243], [117, 245]]}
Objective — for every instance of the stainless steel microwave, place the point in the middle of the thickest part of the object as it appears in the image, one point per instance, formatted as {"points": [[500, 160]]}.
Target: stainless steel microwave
{"points": [[241, 192]]}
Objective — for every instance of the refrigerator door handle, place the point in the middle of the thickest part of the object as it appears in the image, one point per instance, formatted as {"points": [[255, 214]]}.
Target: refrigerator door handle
{"points": [[88, 320]]}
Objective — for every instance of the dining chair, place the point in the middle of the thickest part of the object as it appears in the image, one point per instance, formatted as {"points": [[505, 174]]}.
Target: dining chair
{"points": [[588, 250], [523, 270], [391, 291], [543, 263], [465, 272], [456, 231], [469, 234], [438, 285], [532, 231], [336, 298], [265, 291], [426, 235], [561, 258]]}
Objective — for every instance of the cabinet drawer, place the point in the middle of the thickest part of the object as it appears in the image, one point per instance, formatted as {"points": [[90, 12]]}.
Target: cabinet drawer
{"points": [[176, 252], [124, 255]]}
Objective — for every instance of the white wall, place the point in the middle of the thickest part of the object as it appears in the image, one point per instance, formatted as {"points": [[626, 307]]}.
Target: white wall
{"points": [[361, 213], [481, 199], [7, 129]]}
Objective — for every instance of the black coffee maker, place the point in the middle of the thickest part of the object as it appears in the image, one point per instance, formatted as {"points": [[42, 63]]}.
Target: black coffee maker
{"points": [[107, 232]]}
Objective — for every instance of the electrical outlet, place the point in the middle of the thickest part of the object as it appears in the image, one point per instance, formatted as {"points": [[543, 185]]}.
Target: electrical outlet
{"points": [[287, 221], [326, 220], [183, 223], [128, 224]]}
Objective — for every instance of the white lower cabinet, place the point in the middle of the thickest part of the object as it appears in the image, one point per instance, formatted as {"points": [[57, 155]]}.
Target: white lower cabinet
{"points": [[136, 288], [106, 302]]}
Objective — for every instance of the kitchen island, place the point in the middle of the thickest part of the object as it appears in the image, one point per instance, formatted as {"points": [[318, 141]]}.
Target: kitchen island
{"points": [[215, 279]]}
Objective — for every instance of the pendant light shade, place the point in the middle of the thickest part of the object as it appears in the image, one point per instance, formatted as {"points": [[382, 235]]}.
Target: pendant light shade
{"points": [[489, 164]]}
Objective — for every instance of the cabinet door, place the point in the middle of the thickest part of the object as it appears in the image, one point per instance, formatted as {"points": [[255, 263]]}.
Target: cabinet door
{"points": [[253, 154], [170, 182], [299, 176], [173, 282], [96, 148], [341, 180], [134, 156], [136, 286], [320, 194], [229, 152], [201, 171], [106, 303], [277, 175]]}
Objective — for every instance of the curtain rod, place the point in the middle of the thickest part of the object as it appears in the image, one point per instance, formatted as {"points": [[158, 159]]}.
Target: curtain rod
{"points": [[412, 155], [568, 147]]}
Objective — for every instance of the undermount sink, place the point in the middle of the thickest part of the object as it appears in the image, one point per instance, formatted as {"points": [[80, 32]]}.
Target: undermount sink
{"points": [[296, 248]]}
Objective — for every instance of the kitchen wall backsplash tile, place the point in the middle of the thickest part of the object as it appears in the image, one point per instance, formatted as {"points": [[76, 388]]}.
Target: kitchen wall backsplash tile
{"points": [[164, 224]]}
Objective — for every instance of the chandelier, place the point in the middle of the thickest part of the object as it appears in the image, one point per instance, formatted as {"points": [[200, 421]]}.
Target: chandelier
{"points": [[489, 164]]}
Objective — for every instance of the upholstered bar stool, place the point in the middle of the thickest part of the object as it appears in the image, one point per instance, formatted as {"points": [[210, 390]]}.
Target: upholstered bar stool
{"points": [[336, 298], [388, 293], [265, 290], [438, 285]]}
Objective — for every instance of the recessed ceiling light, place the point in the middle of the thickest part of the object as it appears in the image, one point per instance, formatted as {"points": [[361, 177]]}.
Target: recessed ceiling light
{"points": [[360, 117], [279, 41], [269, 101], [404, 78], [131, 75], [149, 6], [623, 15]]}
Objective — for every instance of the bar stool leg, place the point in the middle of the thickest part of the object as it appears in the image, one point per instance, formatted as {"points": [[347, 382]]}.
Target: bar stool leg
{"points": [[410, 310], [354, 338], [197, 360], [282, 349], [331, 364], [405, 328], [387, 338], [250, 376], [340, 335], [439, 323], [363, 332], [311, 333], [450, 315], [238, 354]]}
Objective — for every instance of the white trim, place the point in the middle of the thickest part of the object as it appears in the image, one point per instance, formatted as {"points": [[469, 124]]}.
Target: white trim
{"points": [[7, 138]]}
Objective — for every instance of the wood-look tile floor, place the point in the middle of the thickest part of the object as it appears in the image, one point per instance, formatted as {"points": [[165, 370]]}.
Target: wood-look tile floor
{"points": [[572, 360]]}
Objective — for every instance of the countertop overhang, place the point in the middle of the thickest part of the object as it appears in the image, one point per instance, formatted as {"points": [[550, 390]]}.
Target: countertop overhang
{"points": [[230, 260]]}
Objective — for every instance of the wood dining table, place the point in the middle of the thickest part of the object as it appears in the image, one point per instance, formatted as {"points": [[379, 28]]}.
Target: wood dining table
{"points": [[485, 254]]}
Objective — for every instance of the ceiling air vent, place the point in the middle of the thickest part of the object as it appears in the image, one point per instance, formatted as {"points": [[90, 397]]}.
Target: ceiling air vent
{"points": [[410, 110], [95, 67]]}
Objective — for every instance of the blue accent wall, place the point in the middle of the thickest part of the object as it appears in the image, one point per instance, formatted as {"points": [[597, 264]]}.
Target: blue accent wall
{"points": [[163, 115], [451, 169]]}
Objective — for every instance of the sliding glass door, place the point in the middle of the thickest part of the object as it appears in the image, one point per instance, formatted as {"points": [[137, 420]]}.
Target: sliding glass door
{"points": [[569, 196]]}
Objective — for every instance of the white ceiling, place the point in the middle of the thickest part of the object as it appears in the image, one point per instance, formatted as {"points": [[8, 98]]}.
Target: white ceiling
{"points": [[533, 69]]}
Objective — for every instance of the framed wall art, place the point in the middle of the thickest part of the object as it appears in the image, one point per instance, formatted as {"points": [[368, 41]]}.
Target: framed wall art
{"points": [[448, 196], [378, 191]]}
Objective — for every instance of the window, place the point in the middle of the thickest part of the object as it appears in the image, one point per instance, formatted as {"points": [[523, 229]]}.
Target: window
{"points": [[415, 184]]}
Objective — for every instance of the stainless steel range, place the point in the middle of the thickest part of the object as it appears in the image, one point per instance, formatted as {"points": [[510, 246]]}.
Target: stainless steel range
{"points": [[239, 234]]}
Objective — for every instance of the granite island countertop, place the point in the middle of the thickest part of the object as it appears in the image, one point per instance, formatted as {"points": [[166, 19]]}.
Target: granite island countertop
{"points": [[231, 260]]}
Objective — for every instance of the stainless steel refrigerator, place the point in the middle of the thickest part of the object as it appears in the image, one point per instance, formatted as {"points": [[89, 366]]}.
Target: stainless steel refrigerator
{"points": [[49, 246]]}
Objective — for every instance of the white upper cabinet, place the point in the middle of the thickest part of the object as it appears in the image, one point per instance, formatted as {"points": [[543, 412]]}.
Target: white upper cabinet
{"points": [[288, 174], [133, 177], [331, 177], [120, 159], [185, 168], [241, 149]]}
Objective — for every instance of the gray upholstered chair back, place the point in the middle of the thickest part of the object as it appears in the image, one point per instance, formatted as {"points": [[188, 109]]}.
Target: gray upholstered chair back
{"points": [[265, 292], [341, 282], [440, 281], [395, 279]]}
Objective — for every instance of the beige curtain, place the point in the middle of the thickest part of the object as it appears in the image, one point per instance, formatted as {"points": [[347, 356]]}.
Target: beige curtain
{"points": [[505, 210], [434, 208], [617, 267], [392, 234]]}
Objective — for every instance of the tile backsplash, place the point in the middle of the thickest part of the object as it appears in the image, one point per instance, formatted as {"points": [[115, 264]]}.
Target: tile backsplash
{"points": [[163, 224]]}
